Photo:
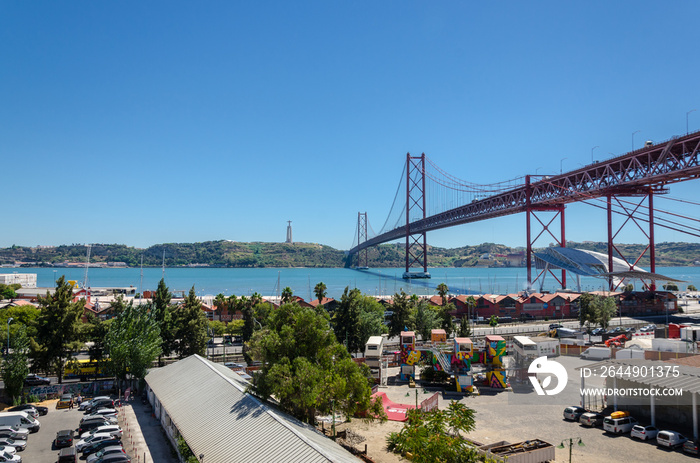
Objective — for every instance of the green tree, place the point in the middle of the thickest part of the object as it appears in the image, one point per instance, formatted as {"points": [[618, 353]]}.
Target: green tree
{"points": [[628, 288], [425, 319], [133, 340], [446, 320], [23, 316], [436, 436], [346, 320], [691, 288], [221, 302], [306, 369], [371, 320], [96, 332], [465, 329], [401, 319], [586, 312], [162, 313], [604, 309], [8, 291], [493, 322], [443, 291], [287, 295], [217, 328], [320, 291], [670, 287], [190, 327], [57, 329], [14, 365]]}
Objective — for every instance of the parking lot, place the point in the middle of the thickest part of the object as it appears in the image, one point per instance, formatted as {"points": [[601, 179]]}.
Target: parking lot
{"points": [[143, 438], [503, 416]]}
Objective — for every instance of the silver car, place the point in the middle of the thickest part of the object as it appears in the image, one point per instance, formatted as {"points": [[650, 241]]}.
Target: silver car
{"points": [[10, 442], [114, 449]]}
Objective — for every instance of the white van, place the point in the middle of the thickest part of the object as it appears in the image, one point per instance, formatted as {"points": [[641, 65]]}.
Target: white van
{"points": [[671, 439], [596, 353], [19, 419], [619, 425]]}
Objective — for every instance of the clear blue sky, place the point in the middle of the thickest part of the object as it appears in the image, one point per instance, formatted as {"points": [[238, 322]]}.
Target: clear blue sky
{"points": [[150, 122]]}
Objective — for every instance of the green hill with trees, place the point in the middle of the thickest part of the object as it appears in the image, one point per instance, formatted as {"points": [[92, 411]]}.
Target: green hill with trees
{"points": [[233, 254]]}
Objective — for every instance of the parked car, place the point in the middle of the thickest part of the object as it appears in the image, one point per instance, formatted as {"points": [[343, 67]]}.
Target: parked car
{"points": [[644, 432], [16, 443], [621, 425], [68, 455], [41, 409], [114, 458], [14, 432], [97, 446], [647, 328], [670, 439], [92, 439], [65, 401], [554, 326], [112, 429], [64, 438], [102, 412], [36, 380], [85, 404], [111, 450], [98, 404], [7, 449], [591, 419], [92, 424], [598, 331], [29, 409], [573, 413], [4, 456], [692, 446]]}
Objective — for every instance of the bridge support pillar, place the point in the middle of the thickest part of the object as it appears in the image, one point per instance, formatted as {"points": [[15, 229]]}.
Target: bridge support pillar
{"points": [[362, 261], [532, 212], [629, 212], [416, 244]]}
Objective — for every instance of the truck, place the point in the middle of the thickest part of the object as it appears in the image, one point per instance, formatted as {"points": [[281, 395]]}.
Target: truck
{"points": [[596, 353], [20, 420]]}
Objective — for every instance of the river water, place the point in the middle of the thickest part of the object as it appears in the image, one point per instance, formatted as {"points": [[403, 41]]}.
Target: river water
{"points": [[375, 282]]}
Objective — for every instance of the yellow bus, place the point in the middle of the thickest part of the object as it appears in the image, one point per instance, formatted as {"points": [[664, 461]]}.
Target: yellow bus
{"points": [[84, 369]]}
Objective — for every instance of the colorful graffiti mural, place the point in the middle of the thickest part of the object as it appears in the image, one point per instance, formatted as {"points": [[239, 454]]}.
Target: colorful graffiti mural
{"points": [[54, 391], [495, 351]]}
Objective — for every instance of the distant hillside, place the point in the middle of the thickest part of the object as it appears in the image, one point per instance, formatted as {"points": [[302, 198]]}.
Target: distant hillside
{"points": [[246, 255], [211, 253]]}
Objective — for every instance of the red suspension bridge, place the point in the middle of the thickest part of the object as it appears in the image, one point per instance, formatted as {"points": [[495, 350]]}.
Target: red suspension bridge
{"points": [[429, 198]]}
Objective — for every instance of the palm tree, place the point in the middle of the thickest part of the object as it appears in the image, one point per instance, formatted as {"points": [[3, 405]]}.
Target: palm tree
{"points": [[320, 291], [287, 295], [220, 302], [443, 290]]}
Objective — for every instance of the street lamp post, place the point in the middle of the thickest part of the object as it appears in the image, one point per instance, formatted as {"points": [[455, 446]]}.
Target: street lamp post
{"points": [[561, 165], [8, 334], [571, 445], [592, 153], [687, 131], [636, 131]]}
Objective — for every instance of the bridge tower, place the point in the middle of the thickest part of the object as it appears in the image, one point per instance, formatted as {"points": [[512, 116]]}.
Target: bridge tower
{"points": [[560, 238], [416, 244], [362, 261]]}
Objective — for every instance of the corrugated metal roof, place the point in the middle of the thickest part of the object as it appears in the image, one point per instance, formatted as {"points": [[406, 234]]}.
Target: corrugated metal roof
{"points": [[208, 405]]}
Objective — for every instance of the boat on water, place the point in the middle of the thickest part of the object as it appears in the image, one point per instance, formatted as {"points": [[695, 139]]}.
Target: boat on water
{"points": [[415, 275]]}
